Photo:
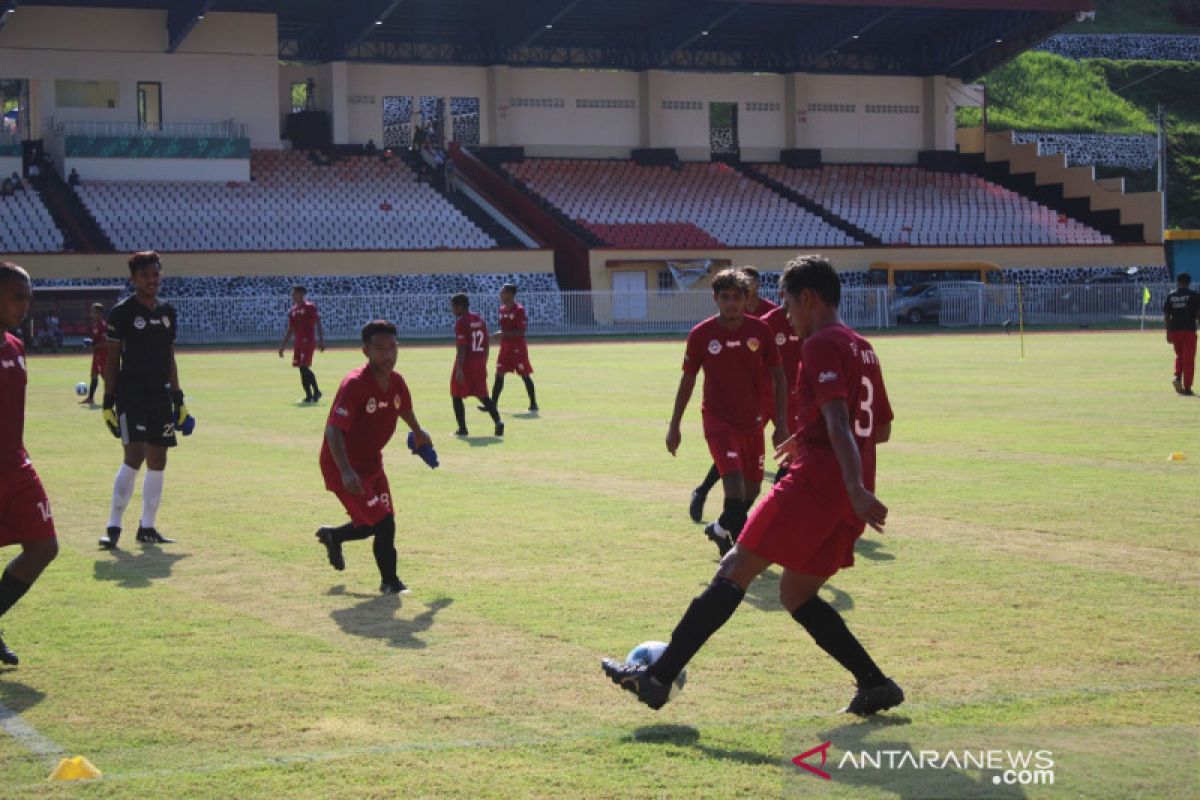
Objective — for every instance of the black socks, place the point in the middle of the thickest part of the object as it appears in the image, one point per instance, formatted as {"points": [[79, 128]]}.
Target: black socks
{"points": [[710, 480], [385, 548], [708, 611], [460, 413], [11, 590], [827, 628], [309, 381]]}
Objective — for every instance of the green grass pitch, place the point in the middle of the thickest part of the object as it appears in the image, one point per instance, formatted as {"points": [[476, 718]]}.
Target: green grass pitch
{"points": [[1040, 567]]}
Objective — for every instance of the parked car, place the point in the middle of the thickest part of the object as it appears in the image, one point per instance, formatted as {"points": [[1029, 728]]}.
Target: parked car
{"points": [[923, 302]]}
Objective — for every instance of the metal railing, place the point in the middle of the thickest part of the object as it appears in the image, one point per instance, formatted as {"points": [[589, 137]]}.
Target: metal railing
{"points": [[225, 129], [248, 320]]}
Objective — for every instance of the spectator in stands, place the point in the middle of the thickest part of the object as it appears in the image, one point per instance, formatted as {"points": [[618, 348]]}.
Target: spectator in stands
{"points": [[34, 170], [310, 95], [6, 188], [1181, 312], [448, 176], [73, 178], [387, 156], [54, 327], [18, 185], [370, 147]]}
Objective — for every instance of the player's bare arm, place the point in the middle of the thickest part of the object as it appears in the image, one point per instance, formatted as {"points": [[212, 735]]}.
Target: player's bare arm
{"points": [[779, 387], [337, 449], [420, 437], [287, 334], [866, 505], [687, 384], [460, 358]]}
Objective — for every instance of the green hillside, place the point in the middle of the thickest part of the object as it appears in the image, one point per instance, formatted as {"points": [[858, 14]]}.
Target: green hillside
{"points": [[1133, 16]]}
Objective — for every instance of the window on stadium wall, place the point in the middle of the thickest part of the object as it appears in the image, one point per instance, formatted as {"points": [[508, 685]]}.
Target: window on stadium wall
{"points": [[723, 128], [299, 96], [397, 122], [464, 115], [14, 122]]}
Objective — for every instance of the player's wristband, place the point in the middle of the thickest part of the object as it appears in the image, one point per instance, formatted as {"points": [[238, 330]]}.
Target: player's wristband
{"points": [[109, 401], [177, 397]]}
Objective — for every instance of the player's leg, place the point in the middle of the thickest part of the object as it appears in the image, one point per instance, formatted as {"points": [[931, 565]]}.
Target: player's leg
{"points": [[152, 491], [312, 381], [1189, 361], [91, 395], [460, 416], [18, 576], [707, 612], [490, 408], [727, 527], [27, 521], [135, 456], [304, 383], [700, 493], [384, 547], [1175, 338], [531, 391], [798, 593], [497, 388]]}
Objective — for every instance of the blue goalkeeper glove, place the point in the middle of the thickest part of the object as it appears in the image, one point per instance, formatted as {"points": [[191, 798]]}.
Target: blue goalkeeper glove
{"points": [[185, 423], [425, 451]]}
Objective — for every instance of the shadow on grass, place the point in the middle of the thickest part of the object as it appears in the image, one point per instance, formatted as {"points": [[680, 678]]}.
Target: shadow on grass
{"points": [[872, 550], [688, 736], [763, 594], [131, 571], [16, 696], [525, 415], [375, 618], [480, 441]]}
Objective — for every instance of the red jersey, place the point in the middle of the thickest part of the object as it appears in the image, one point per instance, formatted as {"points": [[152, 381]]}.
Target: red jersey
{"points": [[788, 342], [837, 362], [99, 335], [512, 320], [763, 308], [366, 414], [471, 330], [735, 364], [12, 403], [303, 320]]}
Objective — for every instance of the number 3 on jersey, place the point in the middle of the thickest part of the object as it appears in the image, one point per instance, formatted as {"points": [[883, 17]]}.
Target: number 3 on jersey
{"points": [[477, 341], [862, 429]]}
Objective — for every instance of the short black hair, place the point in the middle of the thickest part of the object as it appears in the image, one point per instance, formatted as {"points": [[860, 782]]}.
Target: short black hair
{"points": [[377, 326], [751, 273], [509, 287], [142, 259], [731, 279], [12, 272], [461, 299], [300, 289], [813, 272], [1184, 279]]}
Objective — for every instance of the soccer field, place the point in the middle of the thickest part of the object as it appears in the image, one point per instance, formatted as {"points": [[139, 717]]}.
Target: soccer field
{"points": [[1039, 570]]}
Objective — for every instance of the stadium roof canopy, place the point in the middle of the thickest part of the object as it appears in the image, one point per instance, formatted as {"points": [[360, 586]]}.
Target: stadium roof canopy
{"points": [[964, 38]]}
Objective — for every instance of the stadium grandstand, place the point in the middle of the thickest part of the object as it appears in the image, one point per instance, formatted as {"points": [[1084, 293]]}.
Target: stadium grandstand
{"points": [[588, 145]]}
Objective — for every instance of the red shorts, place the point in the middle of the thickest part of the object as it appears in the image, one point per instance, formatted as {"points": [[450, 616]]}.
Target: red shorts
{"points": [[475, 385], [372, 505], [99, 361], [804, 524], [735, 450], [513, 358], [302, 355], [25, 514]]}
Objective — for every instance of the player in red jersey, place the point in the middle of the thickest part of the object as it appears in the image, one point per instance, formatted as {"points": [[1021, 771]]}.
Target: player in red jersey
{"points": [[809, 522], [1181, 311], [469, 378], [99, 351], [514, 353], [737, 353], [789, 344], [361, 422], [25, 516], [305, 324], [756, 306]]}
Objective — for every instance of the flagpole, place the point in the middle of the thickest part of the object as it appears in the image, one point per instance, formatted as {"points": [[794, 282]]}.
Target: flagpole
{"points": [[1021, 320]]}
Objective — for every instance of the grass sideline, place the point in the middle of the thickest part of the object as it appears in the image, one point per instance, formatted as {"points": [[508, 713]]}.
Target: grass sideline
{"points": [[1040, 567]]}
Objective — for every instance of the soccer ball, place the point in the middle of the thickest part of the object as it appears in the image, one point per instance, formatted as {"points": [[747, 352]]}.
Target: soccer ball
{"points": [[81, 389], [647, 653]]}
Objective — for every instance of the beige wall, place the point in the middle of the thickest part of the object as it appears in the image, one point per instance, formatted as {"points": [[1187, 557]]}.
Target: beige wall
{"points": [[302, 263], [846, 135], [857, 258], [226, 68]]}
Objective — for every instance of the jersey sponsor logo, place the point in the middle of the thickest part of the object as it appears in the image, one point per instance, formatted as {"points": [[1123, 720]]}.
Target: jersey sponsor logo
{"points": [[7, 364], [166, 322], [714, 347], [752, 343], [341, 412], [731, 454], [371, 405], [738, 343], [139, 323], [826, 377], [396, 401], [781, 338]]}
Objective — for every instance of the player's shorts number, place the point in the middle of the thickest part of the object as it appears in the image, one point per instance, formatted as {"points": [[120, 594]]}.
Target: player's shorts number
{"points": [[44, 507], [864, 429], [477, 341]]}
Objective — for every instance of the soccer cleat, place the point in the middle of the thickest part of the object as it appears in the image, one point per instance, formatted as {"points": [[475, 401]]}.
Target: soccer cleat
{"points": [[719, 538], [152, 536], [110, 538], [7, 656], [461, 432], [317, 395], [635, 678], [1188, 392], [393, 587], [499, 428], [333, 548], [534, 409], [1178, 384], [481, 408], [878, 698], [696, 507]]}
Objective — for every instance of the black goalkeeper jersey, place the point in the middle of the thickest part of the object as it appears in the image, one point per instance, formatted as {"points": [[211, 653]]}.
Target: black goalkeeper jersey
{"points": [[146, 337]]}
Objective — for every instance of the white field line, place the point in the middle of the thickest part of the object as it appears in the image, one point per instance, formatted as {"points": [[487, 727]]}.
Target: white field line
{"points": [[26, 736]]}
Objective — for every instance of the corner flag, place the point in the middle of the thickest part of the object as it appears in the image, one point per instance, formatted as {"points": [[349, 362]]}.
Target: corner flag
{"points": [[1145, 295]]}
